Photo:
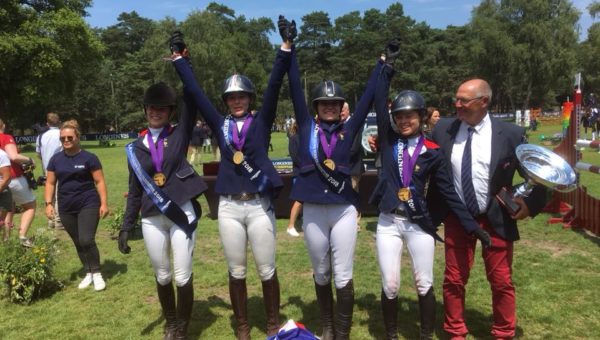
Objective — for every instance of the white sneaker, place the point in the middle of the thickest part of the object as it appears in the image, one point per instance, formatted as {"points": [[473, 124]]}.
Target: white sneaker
{"points": [[86, 282], [99, 283], [292, 232]]}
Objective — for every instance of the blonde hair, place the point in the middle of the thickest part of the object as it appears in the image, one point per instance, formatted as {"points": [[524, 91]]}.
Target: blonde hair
{"points": [[2, 126], [71, 124]]}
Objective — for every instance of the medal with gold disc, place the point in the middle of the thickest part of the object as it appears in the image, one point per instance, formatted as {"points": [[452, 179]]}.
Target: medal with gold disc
{"points": [[157, 155], [238, 157], [239, 139], [407, 165], [159, 179], [404, 194], [329, 163], [328, 147]]}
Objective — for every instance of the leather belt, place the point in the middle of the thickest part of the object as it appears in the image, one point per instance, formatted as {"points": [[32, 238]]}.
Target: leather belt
{"points": [[399, 212], [244, 196]]}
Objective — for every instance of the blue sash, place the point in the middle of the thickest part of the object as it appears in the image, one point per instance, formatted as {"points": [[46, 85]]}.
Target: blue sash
{"points": [[248, 167], [331, 177], [415, 205], [166, 206]]}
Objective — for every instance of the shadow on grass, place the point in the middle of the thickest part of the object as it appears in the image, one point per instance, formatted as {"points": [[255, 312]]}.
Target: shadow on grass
{"points": [[109, 269], [587, 235], [372, 226], [309, 313], [202, 317], [408, 317]]}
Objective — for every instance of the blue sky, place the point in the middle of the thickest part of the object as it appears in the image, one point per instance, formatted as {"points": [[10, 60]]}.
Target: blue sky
{"points": [[436, 13]]}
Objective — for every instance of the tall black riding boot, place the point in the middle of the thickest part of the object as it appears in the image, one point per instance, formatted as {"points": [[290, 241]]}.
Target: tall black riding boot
{"points": [[272, 300], [166, 296], [427, 311], [185, 303], [389, 307], [239, 302], [325, 302], [343, 311]]}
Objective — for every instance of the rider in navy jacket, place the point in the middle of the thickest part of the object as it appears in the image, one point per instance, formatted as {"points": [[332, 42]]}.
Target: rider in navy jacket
{"points": [[310, 185], [230, 179], [182, 182], [246, 183]]}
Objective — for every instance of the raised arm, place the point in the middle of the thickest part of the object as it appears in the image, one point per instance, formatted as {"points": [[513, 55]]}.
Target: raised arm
{"points": [[301, 112], [383, 72], [193, 89]]}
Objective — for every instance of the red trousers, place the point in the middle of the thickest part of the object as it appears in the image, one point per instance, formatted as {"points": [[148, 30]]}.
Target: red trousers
{"points": [[459, 250]]}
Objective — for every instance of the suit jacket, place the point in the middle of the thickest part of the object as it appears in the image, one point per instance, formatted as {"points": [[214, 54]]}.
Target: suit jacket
{"points": [[431, 168], [503, 164], [183, 183], [231, 178]]}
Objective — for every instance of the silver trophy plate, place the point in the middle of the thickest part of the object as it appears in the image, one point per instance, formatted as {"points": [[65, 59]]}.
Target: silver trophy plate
{"points": [[546, 168]]}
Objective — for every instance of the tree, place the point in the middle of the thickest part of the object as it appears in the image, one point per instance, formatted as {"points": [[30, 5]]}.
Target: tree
{"points": [[525, 48], [590, 50], [44, 45]]}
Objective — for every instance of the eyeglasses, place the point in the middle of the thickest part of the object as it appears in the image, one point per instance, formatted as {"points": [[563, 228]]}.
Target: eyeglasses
{"points": [[465, 101], [67, 138]]}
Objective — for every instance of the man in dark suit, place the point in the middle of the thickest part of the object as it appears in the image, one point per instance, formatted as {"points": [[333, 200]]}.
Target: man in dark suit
{"points": [[488, 148]]}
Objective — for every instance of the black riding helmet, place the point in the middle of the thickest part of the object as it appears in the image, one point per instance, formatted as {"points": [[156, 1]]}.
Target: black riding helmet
{"points": [[408, 100], [327, 90], [238, 83], [160, 94]]}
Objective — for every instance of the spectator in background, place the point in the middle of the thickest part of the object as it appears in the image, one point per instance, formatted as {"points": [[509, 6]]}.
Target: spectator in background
{"points": [[293, 145], [82, 194], [196, 142], [433, 115], [22, 194], [207, 138], [46, 145], [585, 121], [6, 203]]}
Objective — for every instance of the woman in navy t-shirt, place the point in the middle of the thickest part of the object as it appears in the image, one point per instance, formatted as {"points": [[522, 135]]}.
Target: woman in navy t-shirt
{"points": [[82, 198]]}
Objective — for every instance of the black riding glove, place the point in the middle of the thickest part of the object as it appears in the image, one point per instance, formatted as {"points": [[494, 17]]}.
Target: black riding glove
{"points": [[176, 43], [287, 29], [392, 50], [123, 237], [484, 237]]}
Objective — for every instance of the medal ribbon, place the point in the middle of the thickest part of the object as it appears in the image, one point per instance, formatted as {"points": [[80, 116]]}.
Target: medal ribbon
{"points": [[331, 177], [328, 147], [157, 150], [239, 138], [249, 168], [406, 170]]}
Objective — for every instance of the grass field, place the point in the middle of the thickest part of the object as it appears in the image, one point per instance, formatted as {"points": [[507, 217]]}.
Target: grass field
{"points": [[555, 272]]}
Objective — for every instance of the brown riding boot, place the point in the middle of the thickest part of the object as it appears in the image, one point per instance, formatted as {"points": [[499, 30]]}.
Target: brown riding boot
{"points": [[271, 297], [239, 301], [343, 311], [166, 296], [325, 302], [185, 304], [427, 311], [389, 307]]}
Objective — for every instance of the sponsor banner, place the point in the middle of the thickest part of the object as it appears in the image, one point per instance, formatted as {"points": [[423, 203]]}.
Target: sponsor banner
{"points": [[86, 137]]}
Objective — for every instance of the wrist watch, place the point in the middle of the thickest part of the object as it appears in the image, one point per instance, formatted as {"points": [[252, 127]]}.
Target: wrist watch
{"points": [[48, 203]]}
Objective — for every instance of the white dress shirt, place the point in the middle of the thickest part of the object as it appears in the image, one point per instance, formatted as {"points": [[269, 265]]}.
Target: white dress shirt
{"points": [[481, 155]]}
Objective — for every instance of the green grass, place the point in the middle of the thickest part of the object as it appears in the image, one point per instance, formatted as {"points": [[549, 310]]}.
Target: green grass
{"points": [[555, 272]]}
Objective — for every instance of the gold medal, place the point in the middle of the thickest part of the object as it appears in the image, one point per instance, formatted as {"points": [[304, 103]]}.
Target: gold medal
{"points": [[238, 157], [159, 178], [329, 163], [404, 194]]}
